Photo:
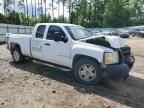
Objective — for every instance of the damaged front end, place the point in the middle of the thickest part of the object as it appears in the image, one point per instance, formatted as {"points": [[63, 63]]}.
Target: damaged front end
{"points": [[128, 58], [99, 41], [115, 43]]}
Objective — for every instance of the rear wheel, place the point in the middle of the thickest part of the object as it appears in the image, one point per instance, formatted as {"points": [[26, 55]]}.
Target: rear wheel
{"points": [[17, 55], [87, 71]]}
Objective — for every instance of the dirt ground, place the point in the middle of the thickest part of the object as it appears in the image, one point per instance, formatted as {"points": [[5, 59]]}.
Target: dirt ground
{"points": [[31, 85], [137, 45]]}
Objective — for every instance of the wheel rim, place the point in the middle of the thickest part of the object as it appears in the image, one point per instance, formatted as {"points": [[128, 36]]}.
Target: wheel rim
{"points": [[16, 55], [87, 72]]}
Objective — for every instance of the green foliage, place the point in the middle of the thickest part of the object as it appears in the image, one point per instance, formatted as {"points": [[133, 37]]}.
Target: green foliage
{"points": [[88, 13], [116, 14], [42, 18], [2, 19]]}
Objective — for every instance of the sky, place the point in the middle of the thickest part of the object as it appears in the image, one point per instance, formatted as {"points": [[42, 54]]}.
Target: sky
{"points": [[1, 10], [48, 6]]}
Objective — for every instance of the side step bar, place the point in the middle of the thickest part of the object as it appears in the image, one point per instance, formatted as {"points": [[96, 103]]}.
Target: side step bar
{"points": [[52, 65]]}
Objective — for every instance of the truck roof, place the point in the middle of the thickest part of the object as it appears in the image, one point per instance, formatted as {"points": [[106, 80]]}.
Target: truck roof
{"points": [[60, 24]]}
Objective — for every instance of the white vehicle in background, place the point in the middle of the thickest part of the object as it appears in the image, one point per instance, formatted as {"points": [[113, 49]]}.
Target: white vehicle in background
{"points": [[106, 31], [96, 33], [71, 47]]}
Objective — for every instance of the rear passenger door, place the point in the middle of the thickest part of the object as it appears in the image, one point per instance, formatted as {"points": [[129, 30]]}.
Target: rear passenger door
{"points": [[37, 42]]}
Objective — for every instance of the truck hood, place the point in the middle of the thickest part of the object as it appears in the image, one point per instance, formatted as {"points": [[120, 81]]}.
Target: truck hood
{"points": [[106, 41]]}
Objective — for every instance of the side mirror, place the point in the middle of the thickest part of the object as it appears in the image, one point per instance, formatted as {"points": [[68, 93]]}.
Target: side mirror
{"points": [[60, 37]]}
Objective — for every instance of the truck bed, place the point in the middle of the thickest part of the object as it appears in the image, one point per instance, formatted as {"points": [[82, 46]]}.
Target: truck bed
{"points": [[23, 40]]}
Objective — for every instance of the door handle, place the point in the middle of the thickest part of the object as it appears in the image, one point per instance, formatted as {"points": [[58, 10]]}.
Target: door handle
{"points": [[48, 44]]}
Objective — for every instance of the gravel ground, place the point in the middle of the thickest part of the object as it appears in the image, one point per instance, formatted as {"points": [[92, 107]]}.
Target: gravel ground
{"points": [[31, 85], [136, 45]]}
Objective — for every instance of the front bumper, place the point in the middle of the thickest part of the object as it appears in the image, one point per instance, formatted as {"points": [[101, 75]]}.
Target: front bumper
{"points": [[115, 71], [129, 60], [118, 71]]}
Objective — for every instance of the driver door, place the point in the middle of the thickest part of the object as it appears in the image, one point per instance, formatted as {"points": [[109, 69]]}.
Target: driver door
{"points": [[56, 52]]}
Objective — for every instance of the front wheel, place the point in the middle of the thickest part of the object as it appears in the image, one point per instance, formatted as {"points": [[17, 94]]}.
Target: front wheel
{"points": [[17, 55], [87, 71]]}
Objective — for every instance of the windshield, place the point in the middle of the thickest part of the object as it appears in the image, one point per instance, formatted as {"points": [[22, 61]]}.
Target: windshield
{"points": [[77, 32]]}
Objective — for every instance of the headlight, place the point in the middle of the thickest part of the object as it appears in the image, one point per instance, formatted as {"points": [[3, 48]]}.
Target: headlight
{"points": [[111, 57]]}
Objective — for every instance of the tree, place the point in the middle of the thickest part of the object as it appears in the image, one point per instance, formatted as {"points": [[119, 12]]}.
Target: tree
{"points": [[83, 12], [23, 19], [68, 5], [27, 12], [35, 9], [53, 10], [7, 6], [2, 18], [40, 18], [58, 10], [137, 13], [14, 18], [45, 9], [21, 5], [63, 2], [88, 13], [14, 7], [32, 10], [41, 5], [61, 19], [116, 14], [40, 8]]}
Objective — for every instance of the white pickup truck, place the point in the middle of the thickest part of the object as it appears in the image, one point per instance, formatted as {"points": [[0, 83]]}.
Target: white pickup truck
{"points": [[69, 46]]}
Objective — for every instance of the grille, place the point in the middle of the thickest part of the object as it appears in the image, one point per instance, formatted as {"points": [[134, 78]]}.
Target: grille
{"points": [[126, 51]]}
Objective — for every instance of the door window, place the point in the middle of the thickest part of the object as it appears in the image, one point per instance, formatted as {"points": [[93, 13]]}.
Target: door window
{"points": [[40, 31], [52, 30]]}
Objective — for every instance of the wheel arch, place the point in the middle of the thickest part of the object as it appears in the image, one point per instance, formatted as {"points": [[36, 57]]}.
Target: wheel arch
{"points": [[16, 47], [80, 56], [13, 46]]}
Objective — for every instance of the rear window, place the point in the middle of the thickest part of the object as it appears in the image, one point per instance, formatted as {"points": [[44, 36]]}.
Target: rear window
{"points": [[40, 31]]}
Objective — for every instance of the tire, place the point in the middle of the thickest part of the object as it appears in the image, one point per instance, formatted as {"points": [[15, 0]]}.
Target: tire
{"points": [[17, 55], [84, 75]]}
